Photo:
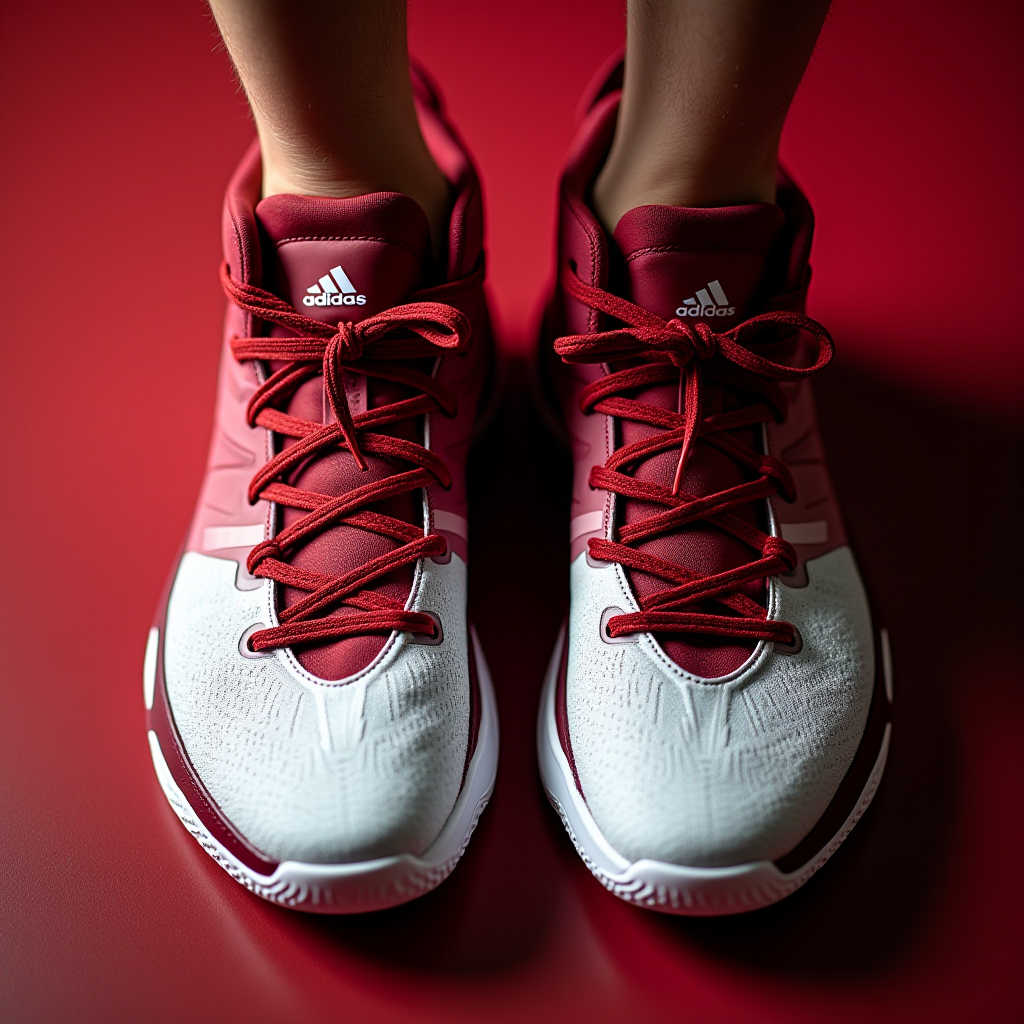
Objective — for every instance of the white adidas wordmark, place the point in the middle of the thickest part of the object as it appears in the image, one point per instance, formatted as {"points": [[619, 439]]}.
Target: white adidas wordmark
{"points": [[703, 304], [337, 292]]}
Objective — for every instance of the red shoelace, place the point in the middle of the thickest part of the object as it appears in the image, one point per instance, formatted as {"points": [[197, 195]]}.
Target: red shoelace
{"points": [[376, 347], [661, 351]]}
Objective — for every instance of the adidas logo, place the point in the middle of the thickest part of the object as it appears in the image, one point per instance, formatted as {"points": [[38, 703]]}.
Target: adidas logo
{"points": [[337, 292], [703, 304]]}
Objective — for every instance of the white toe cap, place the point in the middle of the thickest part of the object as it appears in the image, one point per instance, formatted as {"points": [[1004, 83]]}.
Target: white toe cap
{"points": [[709, 774], [310, 770]]}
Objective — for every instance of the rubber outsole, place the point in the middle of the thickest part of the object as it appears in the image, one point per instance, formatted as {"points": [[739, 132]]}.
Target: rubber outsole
{"points": [[657, 885], [368, 885]]}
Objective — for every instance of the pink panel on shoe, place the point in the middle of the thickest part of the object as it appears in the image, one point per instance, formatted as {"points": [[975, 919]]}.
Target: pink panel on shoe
{"points": [[236, 449], [583, 242], [341, 260], [236, 452], [798, 443], [592, 444]]}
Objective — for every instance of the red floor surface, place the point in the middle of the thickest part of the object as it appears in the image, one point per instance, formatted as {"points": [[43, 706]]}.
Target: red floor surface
{"points": [[120, 123]]}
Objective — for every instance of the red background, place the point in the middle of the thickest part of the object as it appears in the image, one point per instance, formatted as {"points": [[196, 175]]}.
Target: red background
{"points": [[120, 124]]}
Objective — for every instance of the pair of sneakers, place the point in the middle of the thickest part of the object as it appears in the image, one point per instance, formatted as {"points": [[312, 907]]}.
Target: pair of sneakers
{"points": [[320, 715]]}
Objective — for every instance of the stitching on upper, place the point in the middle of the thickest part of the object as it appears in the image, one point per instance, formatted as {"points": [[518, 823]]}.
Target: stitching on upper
{"points": [[571, 202], [649, 249], [244, 270], [351, 238], [241, 251]]}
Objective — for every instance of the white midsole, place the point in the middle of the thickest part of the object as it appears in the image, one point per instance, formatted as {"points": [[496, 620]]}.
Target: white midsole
{"points": [[672, 888], [373, 884]]}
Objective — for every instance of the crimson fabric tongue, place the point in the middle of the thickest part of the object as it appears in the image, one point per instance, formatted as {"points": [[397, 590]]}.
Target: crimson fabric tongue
{"points": [[341, 260], [345, 259], [697, 264]]}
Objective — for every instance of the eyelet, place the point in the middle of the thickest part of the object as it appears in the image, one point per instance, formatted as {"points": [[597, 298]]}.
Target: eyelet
{"points": [[609, 613], [243, 643], [795, 579], [790, 649], [429, 641]]}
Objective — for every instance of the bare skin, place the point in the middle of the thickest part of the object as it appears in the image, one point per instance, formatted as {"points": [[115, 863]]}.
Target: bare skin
{"points": [[708, 84], [328, 83]]}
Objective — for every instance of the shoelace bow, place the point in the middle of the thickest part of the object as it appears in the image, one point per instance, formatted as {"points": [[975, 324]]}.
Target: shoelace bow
{"points": [[411, 331], [667, 349]]}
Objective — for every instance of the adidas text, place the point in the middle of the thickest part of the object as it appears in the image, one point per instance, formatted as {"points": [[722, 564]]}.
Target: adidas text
{"points": [[333, 289], [334, 300], [705, 311], [710, 301]]}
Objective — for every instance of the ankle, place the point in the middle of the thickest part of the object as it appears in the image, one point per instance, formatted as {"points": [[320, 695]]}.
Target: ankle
{"points": [[623, 185], [411, 173]]}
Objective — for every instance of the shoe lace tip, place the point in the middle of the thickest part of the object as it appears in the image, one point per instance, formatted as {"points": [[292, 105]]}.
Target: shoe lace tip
{"points": [[677, 480]]}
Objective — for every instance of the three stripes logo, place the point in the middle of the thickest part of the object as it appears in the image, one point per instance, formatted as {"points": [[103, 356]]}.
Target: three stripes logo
{"points": [[704, 304], [334, 289]]}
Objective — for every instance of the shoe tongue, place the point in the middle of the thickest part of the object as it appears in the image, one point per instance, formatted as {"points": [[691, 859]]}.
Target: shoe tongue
{"points": [[345, 259], [717, 258], [698, 264]]}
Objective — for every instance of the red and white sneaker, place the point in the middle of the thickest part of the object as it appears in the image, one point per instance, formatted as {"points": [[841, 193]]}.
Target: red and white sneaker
{"points": [[716, 715], [320, 714]]}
